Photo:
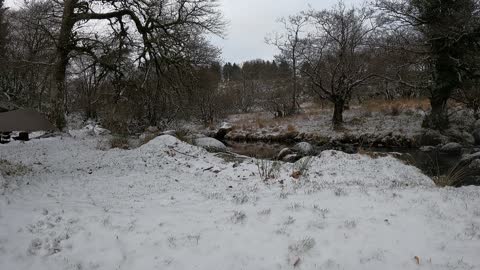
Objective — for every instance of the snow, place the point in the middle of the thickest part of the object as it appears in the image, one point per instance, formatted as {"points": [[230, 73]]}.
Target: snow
{"points": [[170, 205]]}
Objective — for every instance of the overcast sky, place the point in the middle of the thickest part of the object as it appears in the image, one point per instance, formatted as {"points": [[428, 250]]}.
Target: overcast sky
{"points": [[250, 21]]}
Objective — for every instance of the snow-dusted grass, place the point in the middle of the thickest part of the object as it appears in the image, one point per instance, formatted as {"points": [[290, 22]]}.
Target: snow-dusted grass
{"points": [[379, 118], [169, 205]]}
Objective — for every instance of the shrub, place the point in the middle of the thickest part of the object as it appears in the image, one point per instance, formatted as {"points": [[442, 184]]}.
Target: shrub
{"points": [[455, 176], [267, 169], [120, 142]]}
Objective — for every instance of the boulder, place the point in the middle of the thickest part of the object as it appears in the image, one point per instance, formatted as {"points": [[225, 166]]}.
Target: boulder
{"points": [[291, 158], [283, 153], [476, 136], [431, 138], [475, 165], [470, 158], [223, 131], [451, 148], [303, 148], [210, 144]]}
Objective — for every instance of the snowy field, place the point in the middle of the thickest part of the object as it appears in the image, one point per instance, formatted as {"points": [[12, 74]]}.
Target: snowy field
{"points": [[169, 205]]}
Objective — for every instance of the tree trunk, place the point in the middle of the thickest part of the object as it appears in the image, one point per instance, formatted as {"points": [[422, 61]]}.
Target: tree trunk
{"points": [[438, 118], [339, 105], [57, 113], [446, 79]]}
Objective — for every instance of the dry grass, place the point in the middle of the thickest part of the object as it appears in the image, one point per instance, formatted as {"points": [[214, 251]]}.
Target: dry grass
{"points": [[315, 111], [395, 107], [455, 176], [291, 128]]}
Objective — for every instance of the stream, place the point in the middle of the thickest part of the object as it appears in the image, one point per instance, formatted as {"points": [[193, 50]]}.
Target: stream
{"points": [[431, 163]]}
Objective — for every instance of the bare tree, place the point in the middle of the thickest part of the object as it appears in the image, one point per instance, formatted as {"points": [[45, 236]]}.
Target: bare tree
{"points": [[449, 31], [25, 77], [157, 29], [337, 60], [290, 43]]}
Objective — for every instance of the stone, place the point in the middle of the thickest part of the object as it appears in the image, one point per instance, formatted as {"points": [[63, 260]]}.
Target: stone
{"points": [[291, 158], [475, 165], [451, 148], [284, 152], [223, 131], [427, 148], [471, 157], [303, 148], [169, 132], [210, 144], [431, 138]]}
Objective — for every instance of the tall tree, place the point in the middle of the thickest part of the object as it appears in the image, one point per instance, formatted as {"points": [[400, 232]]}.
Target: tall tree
{"points": [[159, 30], [450, 31], [339, 53], [290, 43]]}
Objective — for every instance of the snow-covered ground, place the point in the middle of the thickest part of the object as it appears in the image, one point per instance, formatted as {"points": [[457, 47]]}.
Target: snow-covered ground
{"points": [[359, 121], [169, 205]]}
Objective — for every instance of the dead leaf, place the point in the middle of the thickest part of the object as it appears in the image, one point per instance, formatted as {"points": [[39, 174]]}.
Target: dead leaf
{"points": [[296, 174]]}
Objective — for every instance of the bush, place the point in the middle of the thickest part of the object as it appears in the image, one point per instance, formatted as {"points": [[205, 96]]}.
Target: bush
{"points": [[120, 142]]}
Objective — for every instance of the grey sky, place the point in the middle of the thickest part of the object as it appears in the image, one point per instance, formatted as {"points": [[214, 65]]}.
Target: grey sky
{"points": [[250, 21]]}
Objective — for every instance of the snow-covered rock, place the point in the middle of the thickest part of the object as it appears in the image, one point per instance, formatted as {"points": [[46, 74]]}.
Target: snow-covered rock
{"points": [[431, 137], [224, 129], [451, 148], [471, 157], [291, 158], [210, 144], [427, 148], [169, 132], [89, 130], [475, 165], [284, 152], [457, 135], [303, 148]]}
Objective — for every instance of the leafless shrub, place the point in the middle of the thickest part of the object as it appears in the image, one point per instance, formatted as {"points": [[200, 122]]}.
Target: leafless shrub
{"points": [[302, 246], [120, 142], [268, 169], [238, 217], [340, 192]]}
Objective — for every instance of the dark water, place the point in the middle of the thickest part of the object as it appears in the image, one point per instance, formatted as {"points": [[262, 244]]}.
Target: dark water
{"points": [[431, 163]]}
